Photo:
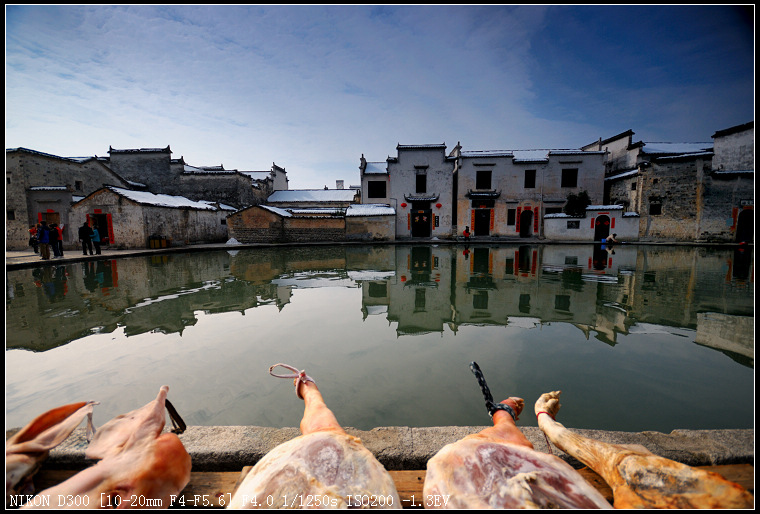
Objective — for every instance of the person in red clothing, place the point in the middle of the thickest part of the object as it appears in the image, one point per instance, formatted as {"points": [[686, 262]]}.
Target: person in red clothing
{"points": [[33, 238], [56, 240]]}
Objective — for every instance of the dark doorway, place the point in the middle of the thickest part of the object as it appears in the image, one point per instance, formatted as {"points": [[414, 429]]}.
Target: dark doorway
{"points": [[600, 257], [482, 222], [421, 222], [745, 226], [421, 263], [601, 227], [100, 221], [526, 223]]}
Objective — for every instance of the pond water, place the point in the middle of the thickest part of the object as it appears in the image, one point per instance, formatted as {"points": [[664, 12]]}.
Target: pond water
{"points": [[645, 338]]}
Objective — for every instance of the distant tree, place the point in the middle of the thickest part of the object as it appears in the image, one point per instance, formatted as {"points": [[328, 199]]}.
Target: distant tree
{"points": [[576, 204]]}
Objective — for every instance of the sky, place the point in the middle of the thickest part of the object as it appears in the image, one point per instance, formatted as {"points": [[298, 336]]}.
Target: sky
{"points": [[313, 88]]}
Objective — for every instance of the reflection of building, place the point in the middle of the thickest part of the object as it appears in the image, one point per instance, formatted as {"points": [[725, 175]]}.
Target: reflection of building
{"points": [[419, 296], [734, 335], [421, 288]]}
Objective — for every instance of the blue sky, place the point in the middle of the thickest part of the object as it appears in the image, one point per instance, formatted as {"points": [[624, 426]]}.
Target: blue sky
{"points": [[312, 88]]}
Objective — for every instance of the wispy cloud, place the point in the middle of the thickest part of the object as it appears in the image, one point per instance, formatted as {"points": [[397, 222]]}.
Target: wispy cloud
{"points": [[314, 87]]}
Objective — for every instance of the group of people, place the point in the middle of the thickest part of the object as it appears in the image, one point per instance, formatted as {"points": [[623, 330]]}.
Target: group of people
{"points": [[44, 237], [89, 237]]}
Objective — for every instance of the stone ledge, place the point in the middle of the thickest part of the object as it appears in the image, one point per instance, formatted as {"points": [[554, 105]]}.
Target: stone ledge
{"points": [[230, 448]]}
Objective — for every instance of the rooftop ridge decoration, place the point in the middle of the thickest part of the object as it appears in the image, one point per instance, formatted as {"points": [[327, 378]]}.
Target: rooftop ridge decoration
{"points": [[139, 150]]}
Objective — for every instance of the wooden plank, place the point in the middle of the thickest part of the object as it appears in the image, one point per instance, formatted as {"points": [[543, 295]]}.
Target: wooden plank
{"points": [[214, 489]]}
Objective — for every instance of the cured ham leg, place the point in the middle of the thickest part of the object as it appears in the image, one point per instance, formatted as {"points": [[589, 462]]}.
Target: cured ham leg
{"points": [[138, 463], [27, 448], [639, 479], [498, 468], [324, 467]]}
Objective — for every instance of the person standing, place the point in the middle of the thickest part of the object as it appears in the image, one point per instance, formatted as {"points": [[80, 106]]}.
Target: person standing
{"points": [[96, 239], [33, 238], [43, 237], [53, 236], [85, 237], [59, 242]]}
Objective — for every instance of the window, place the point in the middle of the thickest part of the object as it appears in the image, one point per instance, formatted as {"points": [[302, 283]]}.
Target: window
{"points": [[421, 183], [7, 180], [511, 216], [633, 186], [524, 304], [376, 189], [480, 300], [655, 209], [224, 221], [570, 177], [78, 185], [510, 267], [483, 179], [10, 214], [530, 179], [573, 224], [562, 302], [377, 290]]}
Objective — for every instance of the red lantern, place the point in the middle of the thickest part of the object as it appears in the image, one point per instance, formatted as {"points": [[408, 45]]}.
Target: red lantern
{"points": [[403, 205], [438, 205]]}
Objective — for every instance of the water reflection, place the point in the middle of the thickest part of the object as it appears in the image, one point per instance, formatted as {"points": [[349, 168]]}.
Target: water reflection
{"points": [[420, 288], [703, 295]]}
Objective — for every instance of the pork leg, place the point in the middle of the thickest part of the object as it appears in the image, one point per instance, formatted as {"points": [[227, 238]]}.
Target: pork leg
{"points": [[498, 468], [323, 468], [29, 447], [140, 466], [638, 478]]}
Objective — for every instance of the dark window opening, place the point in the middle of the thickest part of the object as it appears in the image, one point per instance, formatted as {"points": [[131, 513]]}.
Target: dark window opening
{"points": [[421, 183], [562, 302], [530, 179], [655, 209], [511, 215], [78, 185], [480, 300], [376, 189], [483, 179], [377, 290], [570, 177], [524, 304]]}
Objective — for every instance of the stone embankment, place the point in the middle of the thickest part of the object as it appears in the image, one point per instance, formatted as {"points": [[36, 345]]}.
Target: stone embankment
{"points": [[230, 448]]}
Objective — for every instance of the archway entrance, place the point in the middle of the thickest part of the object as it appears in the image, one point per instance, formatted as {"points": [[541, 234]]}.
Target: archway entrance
{"points": [[526, 223], [745, 226], [601, 227]]}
